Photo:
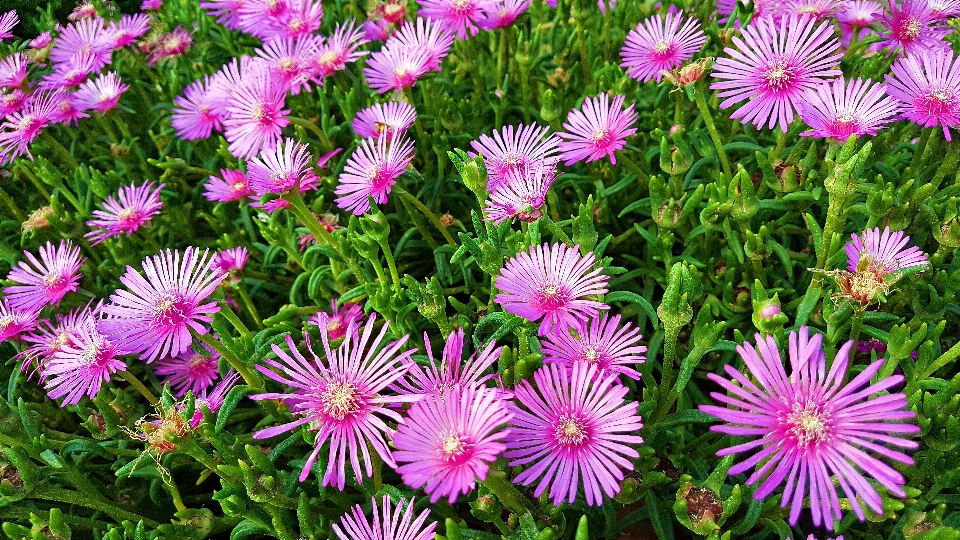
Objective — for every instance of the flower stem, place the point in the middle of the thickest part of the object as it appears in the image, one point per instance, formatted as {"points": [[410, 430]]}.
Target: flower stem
{"points": [[70, 497], [407, 196], [388, 253], [508, 494], [135, 382], [309, 220], [248, 377], [175, 495], [248, 303], [228, 313], [712, 130], [919, 150], [306, 124]]}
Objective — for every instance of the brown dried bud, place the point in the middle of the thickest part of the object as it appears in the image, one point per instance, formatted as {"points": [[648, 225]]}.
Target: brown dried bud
{"points": [[702, 505], [446, 220], [38, 219]]}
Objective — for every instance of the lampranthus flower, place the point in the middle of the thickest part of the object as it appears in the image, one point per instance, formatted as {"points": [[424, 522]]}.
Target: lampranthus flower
{"points": [[389, 118], [47, 337], [337, 51], [41, 41], [343, 400], [230, 186], [340, 319], [376, 30], [372, 170], [882, 252], [447, 442], [452, 371], [502, 13], [7, 21], [516, 149], [69, 74], [23, 127], [227, 12], [260, 17], [84, 37], [82, 365], [256, 115], [423, 34], [83, 9], [170, 45], [128, 29], [656, 45], [395, 69], [281, 169], [300, 21], [910, 27], [818, 9], [838, 109], [388, 523], [12, 101], [522, 195], [773, 66], [859, 14], [151, 5], [38, 219], [599, 130], [288, 60], [13, 70], [812, 429], [101, 94], [928, 85], [573, 428], [194, 114], [550, 282], [155, 314], [231, 260], [133, 208], [601, 341], [189, 370], [943, 10], [13, 321], [44, 282], [457, 16], [67, 110]]}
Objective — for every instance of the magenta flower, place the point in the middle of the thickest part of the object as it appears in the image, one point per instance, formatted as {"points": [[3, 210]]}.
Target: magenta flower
{"points": [[13, 321], [155, 314], [48, 338], [230, 186], [66, 110], [22, 127], [300, 21], [773, 66], [812, 428], [656, 45], [170, 45], [516, 148], [151, 5], [387, 524], [457, 16], [224, 84], [859, 14], [338, 50], [448, 442], [41, 41], [68, 74], [502, 13], [231, 260], [256, 115], [189, 370], [395, 68], [83, 9], [343, 401], [260, 18], [194, 114], [817, 9], [227, 12], [282, 169], [452, 372], [573, 428], [376, 30], [336, 323], [882, 253], [133, 208], [128, 29], [838, 109], [288, 60], [912, 27], [372, 170], [82, 365], [12, 101], [601, 341], [86, 37], [44, 282], [600, 129], [426, 35], [551, 282], [101, 94], [522, 195], [389, 118], [7, 21], [928, 85], [13, 70], [943, 10], [213, 399]]}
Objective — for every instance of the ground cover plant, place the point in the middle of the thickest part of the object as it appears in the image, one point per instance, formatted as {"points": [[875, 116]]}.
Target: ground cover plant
{"points": [[484, 269]]}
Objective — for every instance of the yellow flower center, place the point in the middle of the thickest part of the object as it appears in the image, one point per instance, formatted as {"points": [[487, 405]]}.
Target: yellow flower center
{"points": [[340, 400]]}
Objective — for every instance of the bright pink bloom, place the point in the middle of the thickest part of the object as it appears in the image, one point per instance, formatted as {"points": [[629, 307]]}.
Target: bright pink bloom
{"points": [[189, 370], [229, 187], [301, 20], [83, 9], [656, 45], [395, 68], [170, 45], [388, 118], [227, 12], [811, 428], [83, 37], [514, 149], [601, 341], [343, 401], [256, 115], [41, 41], [859, 13], [912, 28], [12, 101], [386, 525], [48, 338], [447, 442], [231, 260], [260, 18], [101, 94], [7, 21], [128, 29], [599, 130], [522, 194], [882, 252], [550, 282], [82, 365], [225, 83], [502, 13], [457, 16], [281, 169], [453, 371], [376, 30], [426, 35], [336, 323], [818, 9], [151, 5], [372, 169], [13, 70], [928, 85], [573, 428], [337, 51], [133, 208], [44, 282], [839, 109], [773, 66], [154, 316], [70, 73], [288, 60], [943, 10], [13, 321], [22, 127], [67, 110], [194, 114]]}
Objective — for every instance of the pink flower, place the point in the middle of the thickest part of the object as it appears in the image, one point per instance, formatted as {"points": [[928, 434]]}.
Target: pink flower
{"points": [[517, 148], [912, 27], [426, 35], [502, 13], [13, 70], [395, 68], [260, 18], [128, 29], [101, 94], [928, 86], [213, 399], [133, 208], [282, 169], [48, 338], [12, 101], [447, 443], [44, 282], [24, 126], [83, 9], [256, 115], [376, 30], [372, 170], [882, 253], [386, 525], [70, 73], [86, 37], [194, 114], [811, 428], [189, 370], [300, 21], [859, 13], [573, 428], [288, 60], [457, 16], [818, 9], [943, 10], [83, 364], [227, 12], [337, 51], [654, 46], [229, 187], [453, 371], [231, 260], [66, 110], [7, 21], [600, 341], [522, 195], [388, 118], [550, 282], [155, 314], [599, 130], [837, 110], [41, 41], [13, 321], [343, 400], [170, 45], [151, 5], [336, 323], [773, 66]]}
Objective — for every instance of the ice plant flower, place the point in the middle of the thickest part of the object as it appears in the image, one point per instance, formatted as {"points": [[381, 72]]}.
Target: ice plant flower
{"points": [[812, 429], [84, 37], [231, 260], [101, 94], [13, 321], [7, 21], [337, 51], [230, 186], [859, 13], [818, 9], [82, 365], [288, 60], [773, 66], [573, 429], [388, 523], [372, 170], [928, 85], [599, 130], [447, 442], [155, 315], [656, 45], [128, 29], [389, 118], [336, 323], [170, 45], [256, 114], [502, 13], [343, 400], [882, 252], [453, 371], [911, 27], [44, 282], [48, 338], [515, 148], [423, 34], [227, 12], [13, 70], [189, 370], [194, 114], [457, 16], [550, 282], [281, 169], [395, 69], [522, 195], [601, 341], [23, 127], [838, 109], [133, 208]]}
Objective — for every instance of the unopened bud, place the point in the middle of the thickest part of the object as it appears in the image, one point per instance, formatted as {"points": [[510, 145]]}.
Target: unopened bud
{"points": [[38, 219], [689, 73]]}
